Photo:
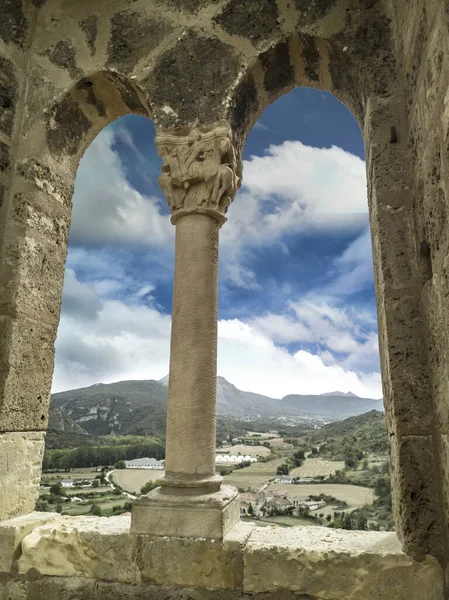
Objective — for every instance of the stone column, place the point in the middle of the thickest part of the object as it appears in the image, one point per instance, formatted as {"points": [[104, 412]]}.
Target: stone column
{"points": [[199, 181]]}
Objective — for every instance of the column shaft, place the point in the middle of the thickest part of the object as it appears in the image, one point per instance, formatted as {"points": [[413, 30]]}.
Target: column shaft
{"points": [[192, 394]]}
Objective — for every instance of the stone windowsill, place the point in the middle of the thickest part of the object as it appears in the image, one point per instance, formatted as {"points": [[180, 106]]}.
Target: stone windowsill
{"points": [[321, 563]]}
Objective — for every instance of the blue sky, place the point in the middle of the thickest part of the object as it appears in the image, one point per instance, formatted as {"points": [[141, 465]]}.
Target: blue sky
{"points": [[297, 306]]}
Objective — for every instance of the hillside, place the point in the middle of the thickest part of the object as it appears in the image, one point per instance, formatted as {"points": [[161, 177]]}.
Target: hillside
{"points": [[335, 406], [367, 432], [139, 408], [123, 408]]}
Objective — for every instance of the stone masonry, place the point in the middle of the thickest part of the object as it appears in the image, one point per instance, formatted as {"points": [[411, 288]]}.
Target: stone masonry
{"points": [[204, 70]]}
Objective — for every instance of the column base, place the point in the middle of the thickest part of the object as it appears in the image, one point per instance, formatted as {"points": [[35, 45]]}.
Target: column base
{"points": [[208, 516]]}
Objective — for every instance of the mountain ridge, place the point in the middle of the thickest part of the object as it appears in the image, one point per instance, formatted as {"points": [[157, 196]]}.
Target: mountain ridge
{"points": [[138, 407]]}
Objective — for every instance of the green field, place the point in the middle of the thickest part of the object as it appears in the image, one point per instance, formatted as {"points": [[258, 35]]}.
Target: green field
{"points": [[254, 476]]}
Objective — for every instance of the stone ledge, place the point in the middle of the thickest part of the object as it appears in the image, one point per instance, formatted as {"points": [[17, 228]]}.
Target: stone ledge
{"points": [[333, 564], [12, 533], [315, 562], [21, 455]]}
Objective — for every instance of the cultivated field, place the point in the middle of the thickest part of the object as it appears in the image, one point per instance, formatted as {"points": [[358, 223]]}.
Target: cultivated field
{"points": [[131, 480], [253, 451], [262, 434], [316, 467], [254, 476], [355, 495]]}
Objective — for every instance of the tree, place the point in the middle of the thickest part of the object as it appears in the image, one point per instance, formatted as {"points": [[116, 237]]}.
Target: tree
{"points": [[55, 489], [282, 469], [41, 506], [95, 483], [96, 510], [149, 485], [120, 464]]}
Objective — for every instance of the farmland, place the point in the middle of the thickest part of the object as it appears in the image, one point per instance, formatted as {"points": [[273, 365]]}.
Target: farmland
{"points": [[131, 480], [254, 451], [254, 476], [354, 495], [317, 467]]}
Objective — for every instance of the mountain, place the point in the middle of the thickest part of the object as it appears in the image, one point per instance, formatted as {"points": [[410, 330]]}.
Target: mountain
{"points": [[126, 407], [139, 407], [335, 406], [349, 394]]}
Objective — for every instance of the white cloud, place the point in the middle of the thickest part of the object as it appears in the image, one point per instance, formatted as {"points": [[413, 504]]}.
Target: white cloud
{"points": [[293, 188], [123, 341], [267, 369], [109, 333], [131, 341], [353, 269], [107, 209]]}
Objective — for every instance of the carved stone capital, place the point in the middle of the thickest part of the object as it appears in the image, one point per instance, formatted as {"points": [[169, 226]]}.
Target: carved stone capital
{"points": [[198, 171]]}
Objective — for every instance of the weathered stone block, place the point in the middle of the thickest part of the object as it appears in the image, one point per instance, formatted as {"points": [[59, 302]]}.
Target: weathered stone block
{"points": [[416, 501], [89, 27], [8, 94], [311, 58], [256, 21], [406, 384], [279, 72], [63, 55], [394, 246], [337, 565], [209, 516], [20, 472], [189, 5], [133, 36], [26, 367], [14, 23], [12, 533], [32, 274], [87, 546], [313, 11], [68, 128], [244, 106], [4, 157], [176, 71], [199, 563]]}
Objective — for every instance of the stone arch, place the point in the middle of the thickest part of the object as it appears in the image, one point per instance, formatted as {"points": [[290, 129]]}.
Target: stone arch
{"points": [[200, 62], [36, 230], [366, 81]]}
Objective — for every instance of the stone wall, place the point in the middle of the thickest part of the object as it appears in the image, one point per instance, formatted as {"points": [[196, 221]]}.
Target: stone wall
{"points": [[422, 44], [90, 557], [21, 438], [67, 69]]}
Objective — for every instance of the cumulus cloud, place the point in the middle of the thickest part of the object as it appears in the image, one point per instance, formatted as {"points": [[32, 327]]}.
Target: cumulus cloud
{"points": [[270, 370], [122, 341], [131, 341], [107, 209], [111, 329], [291, 189]]}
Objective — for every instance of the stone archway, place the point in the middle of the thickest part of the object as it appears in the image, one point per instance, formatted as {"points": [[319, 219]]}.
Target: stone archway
{"points": [[198, 65], [35, 238]]}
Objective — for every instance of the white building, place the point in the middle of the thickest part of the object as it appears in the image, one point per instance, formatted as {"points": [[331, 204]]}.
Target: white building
{"points": [[67, 483], [144, 463], [233, 459]]}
